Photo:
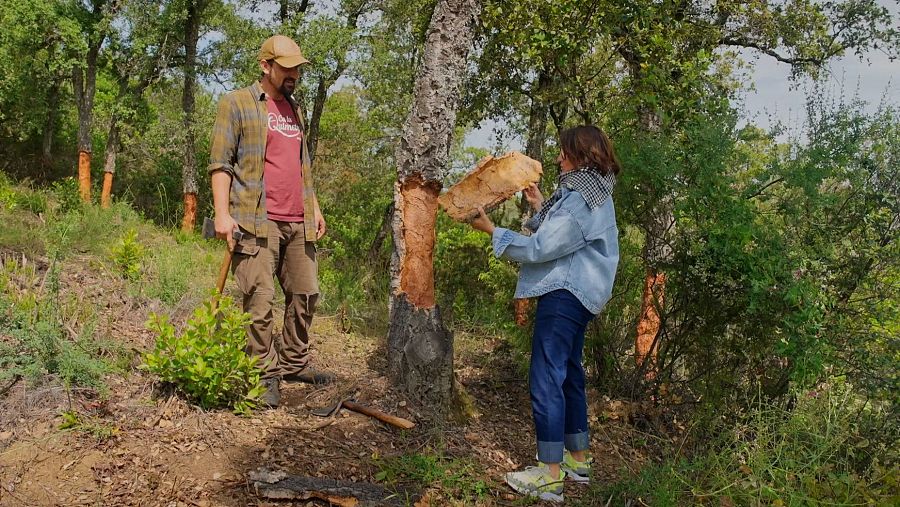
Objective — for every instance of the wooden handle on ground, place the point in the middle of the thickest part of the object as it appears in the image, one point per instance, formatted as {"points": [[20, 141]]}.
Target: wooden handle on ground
{"points": [[223, 271], [381, 416]]}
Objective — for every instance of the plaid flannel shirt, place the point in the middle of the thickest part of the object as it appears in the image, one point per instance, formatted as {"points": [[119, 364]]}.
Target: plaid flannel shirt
{"points": [[239, 149]]}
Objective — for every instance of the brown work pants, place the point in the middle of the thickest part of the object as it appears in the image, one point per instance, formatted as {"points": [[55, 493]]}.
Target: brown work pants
{"points": [[287, 255]]}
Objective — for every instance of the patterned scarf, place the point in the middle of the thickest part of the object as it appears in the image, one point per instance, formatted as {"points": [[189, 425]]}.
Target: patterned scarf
{"points": [[593, 186]]}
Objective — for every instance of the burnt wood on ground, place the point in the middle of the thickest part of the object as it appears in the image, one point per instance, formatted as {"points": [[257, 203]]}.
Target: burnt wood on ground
{"points": [[278, 485]]}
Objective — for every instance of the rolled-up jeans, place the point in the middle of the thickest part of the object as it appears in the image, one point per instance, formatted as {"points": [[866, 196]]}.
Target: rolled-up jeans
{"points": [[287, 255], [556, 377]]}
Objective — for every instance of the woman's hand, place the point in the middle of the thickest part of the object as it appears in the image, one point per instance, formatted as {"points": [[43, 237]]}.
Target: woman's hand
{"points": [[533, 196], [481, 222]]}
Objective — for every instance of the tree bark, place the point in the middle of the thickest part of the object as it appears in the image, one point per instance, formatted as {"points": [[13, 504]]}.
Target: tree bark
{"points": [[316, 118], [189, 169], [420, 348]]}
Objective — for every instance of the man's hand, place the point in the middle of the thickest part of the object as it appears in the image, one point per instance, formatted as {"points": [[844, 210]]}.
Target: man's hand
{"points": [[533, 196], [320, 226], [225, 227], [482, 223]]}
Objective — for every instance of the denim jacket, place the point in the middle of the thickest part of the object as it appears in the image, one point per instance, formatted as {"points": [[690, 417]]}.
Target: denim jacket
{"points": [[575, 249]]}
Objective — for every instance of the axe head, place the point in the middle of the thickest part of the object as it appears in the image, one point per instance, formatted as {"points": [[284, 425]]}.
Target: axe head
{"points": [[209, 230]]}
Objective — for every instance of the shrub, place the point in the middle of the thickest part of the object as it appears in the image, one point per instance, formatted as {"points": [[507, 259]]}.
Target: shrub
{"points": [[128, 254], [67, 195], [207, 362]]}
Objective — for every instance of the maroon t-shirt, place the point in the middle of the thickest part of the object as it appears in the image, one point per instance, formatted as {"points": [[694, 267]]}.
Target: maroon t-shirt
{"points": [[283, 178]]}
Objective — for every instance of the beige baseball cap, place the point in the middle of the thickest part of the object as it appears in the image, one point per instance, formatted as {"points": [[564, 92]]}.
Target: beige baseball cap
{"points": [[283, 50]]}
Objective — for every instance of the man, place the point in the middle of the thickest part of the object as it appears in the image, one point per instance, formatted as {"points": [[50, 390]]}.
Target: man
{"points": [[262, 184]]}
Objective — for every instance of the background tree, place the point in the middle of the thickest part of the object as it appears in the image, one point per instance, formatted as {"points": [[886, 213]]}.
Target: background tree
{"points": [[95, 19]]}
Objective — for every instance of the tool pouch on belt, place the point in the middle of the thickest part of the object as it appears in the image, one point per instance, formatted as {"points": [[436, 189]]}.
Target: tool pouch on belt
{"points": [[249, 244]]}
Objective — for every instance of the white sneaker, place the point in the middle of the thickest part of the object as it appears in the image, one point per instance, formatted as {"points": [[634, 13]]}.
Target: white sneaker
{"points": [[537, 482]]}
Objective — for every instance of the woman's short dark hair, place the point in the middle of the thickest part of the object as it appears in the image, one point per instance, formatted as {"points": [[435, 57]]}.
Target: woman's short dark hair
{"points": [[588, 146]]}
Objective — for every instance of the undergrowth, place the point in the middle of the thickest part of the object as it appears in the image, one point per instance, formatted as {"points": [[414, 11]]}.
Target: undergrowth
{"points": [[831, 448], [453, 479]]}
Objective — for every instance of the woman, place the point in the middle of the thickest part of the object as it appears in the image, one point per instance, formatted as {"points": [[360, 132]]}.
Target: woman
{"points": [[569, 263]]}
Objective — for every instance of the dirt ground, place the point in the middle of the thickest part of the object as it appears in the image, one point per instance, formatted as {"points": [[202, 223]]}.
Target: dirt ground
{"points": [[153, 450]]}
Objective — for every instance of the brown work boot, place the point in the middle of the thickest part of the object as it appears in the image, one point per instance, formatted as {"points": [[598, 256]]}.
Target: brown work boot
{"points": [[271, 397], [310, 375]]}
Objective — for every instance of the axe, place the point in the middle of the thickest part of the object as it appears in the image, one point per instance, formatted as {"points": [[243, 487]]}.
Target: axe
{"points": [[350, 404], [209, 232]]}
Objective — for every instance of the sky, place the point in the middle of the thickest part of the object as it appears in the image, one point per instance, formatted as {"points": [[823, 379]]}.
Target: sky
{"points": [[773, 97]]}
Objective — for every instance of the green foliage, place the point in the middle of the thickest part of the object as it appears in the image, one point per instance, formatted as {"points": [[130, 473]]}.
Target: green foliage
{"points": [[474, 285], [455, 478], [207, 362], [832, 448], [127, 254], [66, 193]]}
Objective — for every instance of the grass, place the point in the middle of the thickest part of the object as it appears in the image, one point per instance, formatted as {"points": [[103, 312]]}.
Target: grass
{"points": [[96, 428], [456, 481], [832, 448]]}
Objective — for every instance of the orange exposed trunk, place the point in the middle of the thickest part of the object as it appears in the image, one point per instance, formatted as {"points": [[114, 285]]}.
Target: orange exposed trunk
{"points": [[522, 306], [648, 326], [84, 175], [190, 212], [419, 218], [106, 196]]}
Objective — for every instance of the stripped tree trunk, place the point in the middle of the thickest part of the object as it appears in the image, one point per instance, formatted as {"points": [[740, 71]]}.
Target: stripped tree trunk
{"points": [[109, 168], [659, 225], [534, 148], [420, 348], [84, 81], [189, 169]]}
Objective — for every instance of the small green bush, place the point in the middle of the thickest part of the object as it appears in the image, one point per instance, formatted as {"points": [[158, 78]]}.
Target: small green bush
{"points": [[207, 362], [128, 254], [67, 195]]}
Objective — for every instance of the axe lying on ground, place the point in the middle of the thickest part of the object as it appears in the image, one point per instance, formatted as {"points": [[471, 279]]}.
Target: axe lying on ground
{"points": [[209, 232], [349, 404]]}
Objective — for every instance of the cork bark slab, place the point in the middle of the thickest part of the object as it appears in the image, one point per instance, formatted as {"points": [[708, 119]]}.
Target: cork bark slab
{"points": [[493, 181]]}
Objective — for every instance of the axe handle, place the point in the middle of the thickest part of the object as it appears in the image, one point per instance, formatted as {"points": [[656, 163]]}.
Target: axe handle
{"points": [[399, 422], [223, 271]]}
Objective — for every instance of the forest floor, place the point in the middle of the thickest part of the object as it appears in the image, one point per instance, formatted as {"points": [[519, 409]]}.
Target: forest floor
{"points": [[134, 446]]}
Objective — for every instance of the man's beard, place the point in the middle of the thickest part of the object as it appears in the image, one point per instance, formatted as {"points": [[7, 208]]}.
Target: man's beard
{"points": [[285, 90]]}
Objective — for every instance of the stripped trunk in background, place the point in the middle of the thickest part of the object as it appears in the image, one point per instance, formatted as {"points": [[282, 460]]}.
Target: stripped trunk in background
{"points": [[109, 168], [420, 348], [189, 169], [659, 226], [84, 81], [534, 148]]}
